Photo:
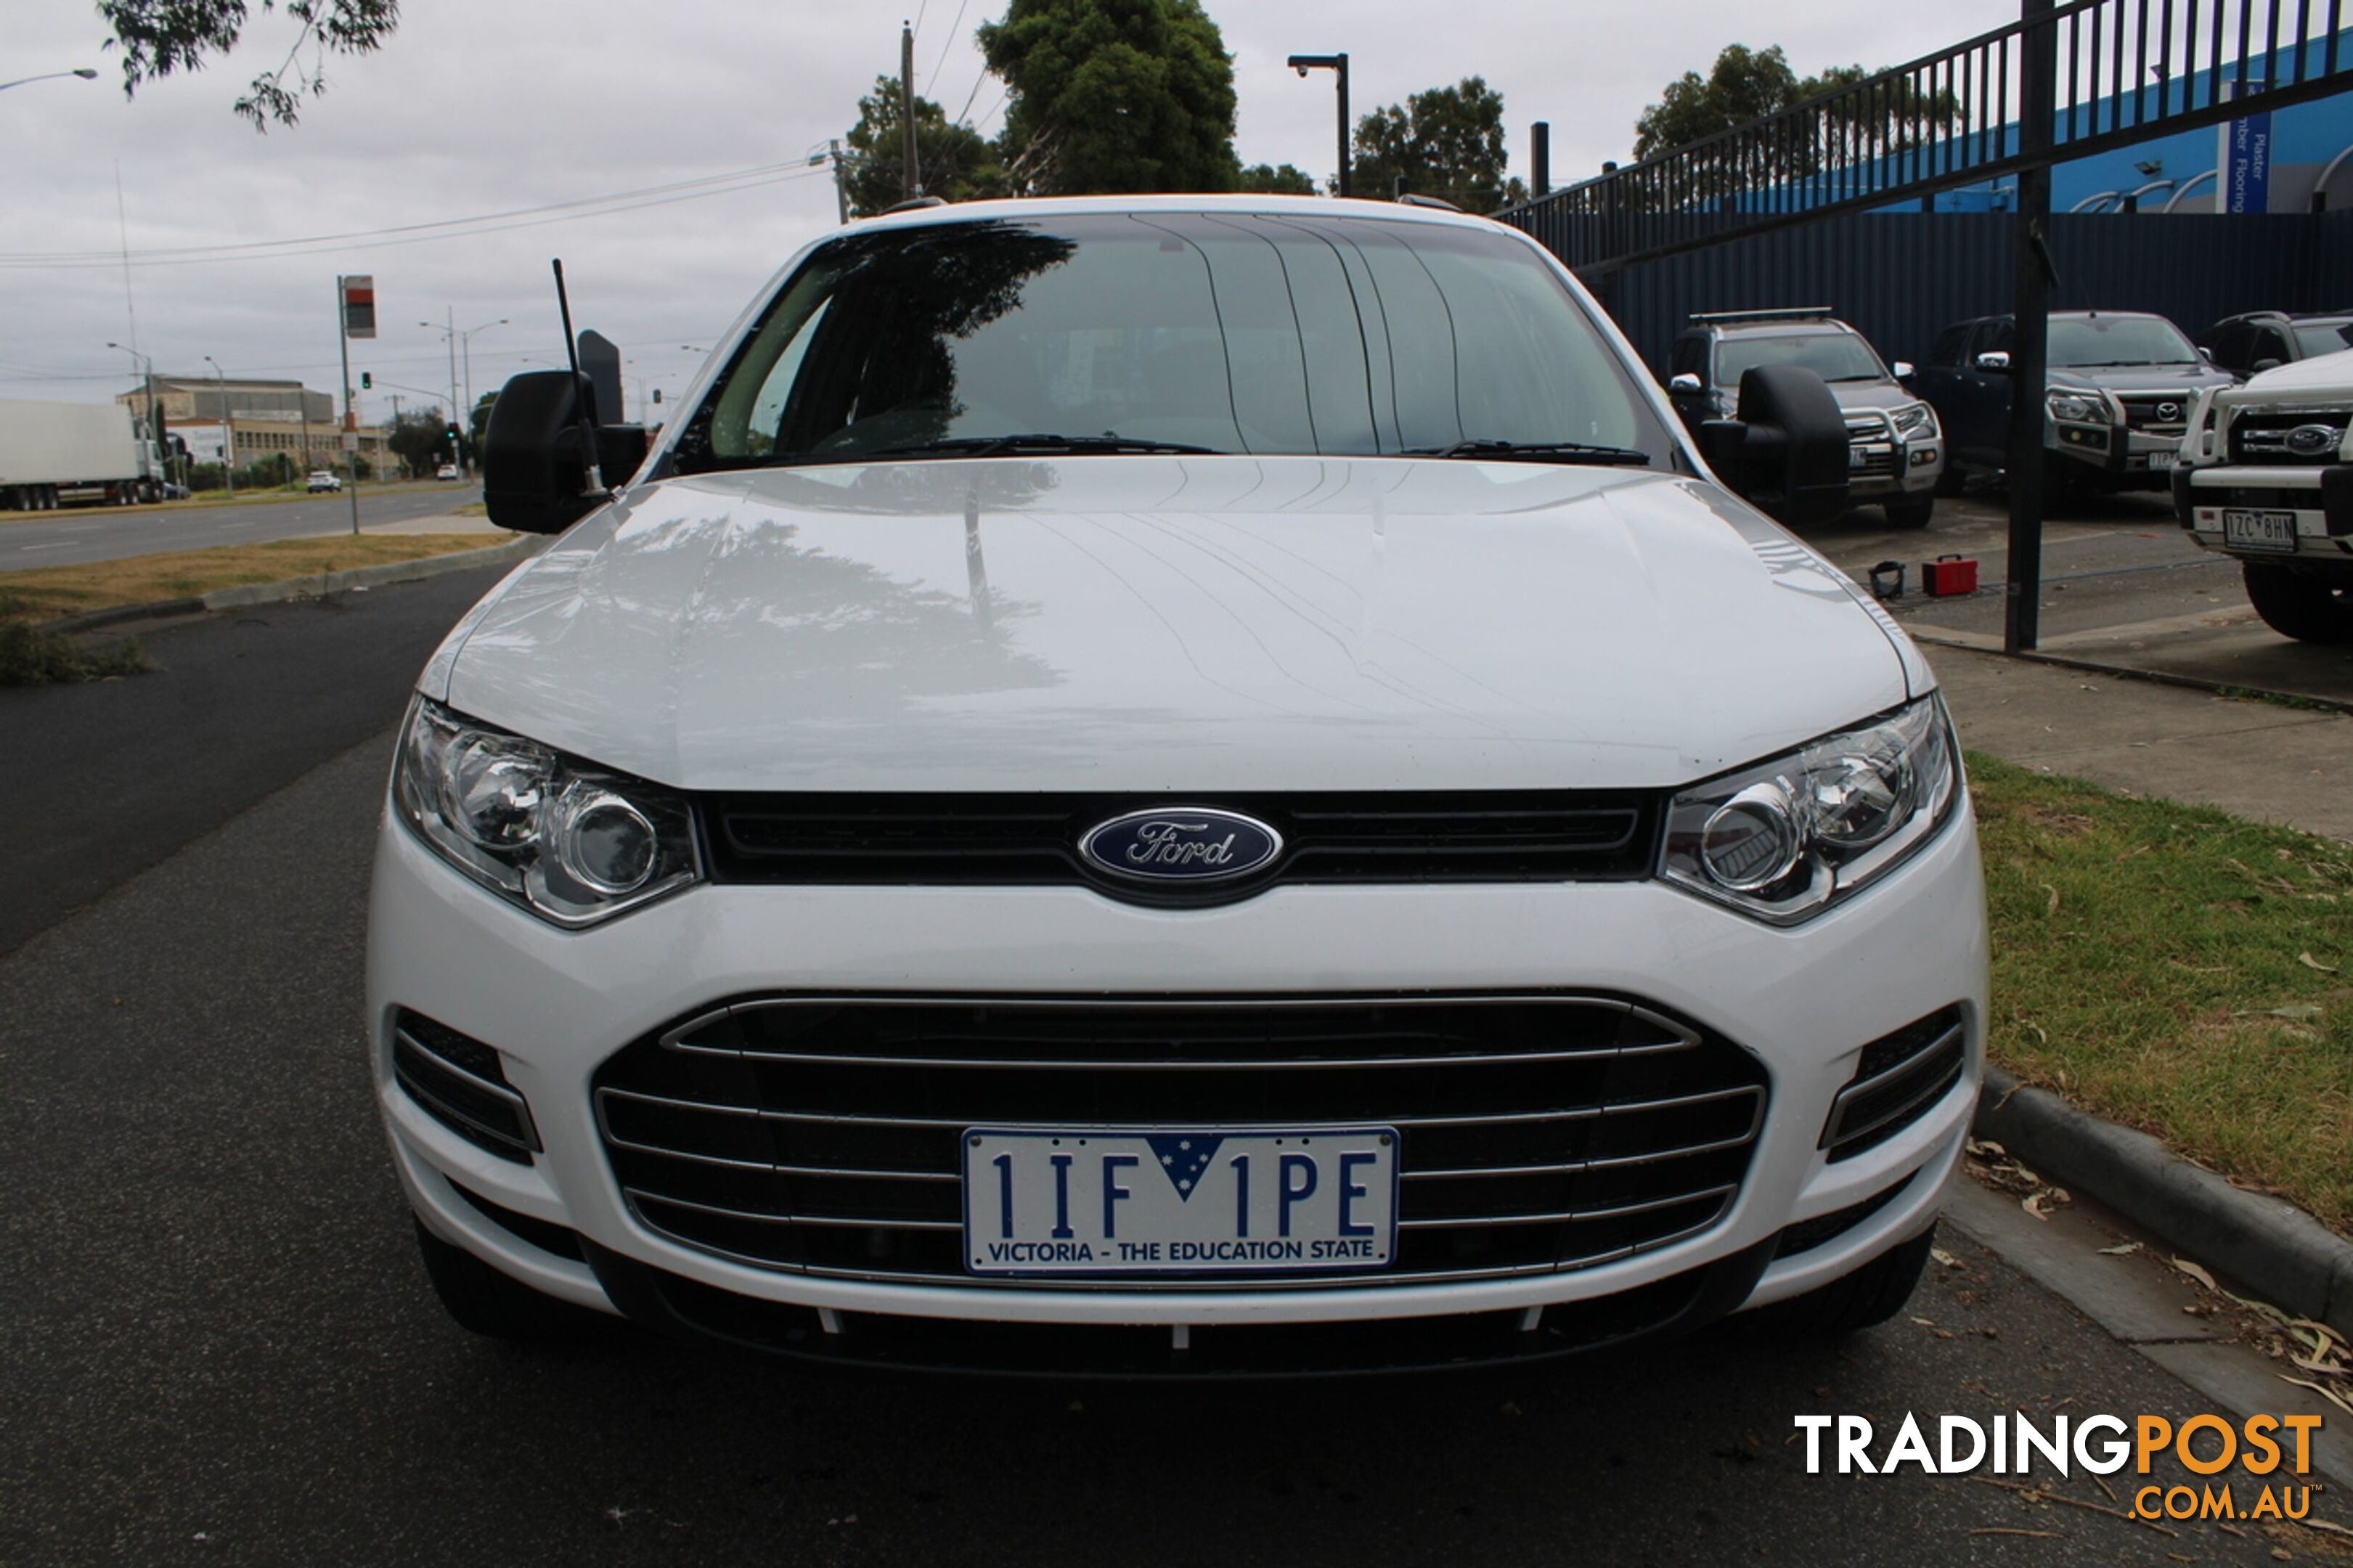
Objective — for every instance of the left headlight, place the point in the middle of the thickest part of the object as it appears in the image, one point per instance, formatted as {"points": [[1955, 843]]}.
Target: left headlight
{"points": [[1784, 839], [571, 842], [1916, 419]]}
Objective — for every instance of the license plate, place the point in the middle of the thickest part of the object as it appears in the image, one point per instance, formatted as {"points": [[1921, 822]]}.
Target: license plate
{"points": [[1861, 456], [1136, 1202], [2259, 529], [2162, 462]]}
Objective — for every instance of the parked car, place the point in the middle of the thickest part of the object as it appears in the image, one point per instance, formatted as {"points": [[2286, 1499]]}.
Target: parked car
{"points": [[2267, 477], [2265, 340], [324, 480], [2120, 385], [1895, 453], [1095, 805], [447, 471]]}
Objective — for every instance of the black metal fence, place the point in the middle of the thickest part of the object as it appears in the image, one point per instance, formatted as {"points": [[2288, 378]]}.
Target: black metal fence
{"points": [[1902, 276], [2118, 71]]}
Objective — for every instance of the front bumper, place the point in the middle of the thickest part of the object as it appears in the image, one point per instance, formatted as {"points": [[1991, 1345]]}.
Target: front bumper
{"points": [[556, 1005], [2320, 498], [2121, 457], [1885, 468]]}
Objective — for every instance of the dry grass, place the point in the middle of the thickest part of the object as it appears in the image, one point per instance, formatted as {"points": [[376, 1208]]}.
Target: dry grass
{"points": [[49, 592], [2181, 971]]}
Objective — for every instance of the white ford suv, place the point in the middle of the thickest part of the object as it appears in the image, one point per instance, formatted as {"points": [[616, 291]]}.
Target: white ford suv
{"points": [[2266, 476], [1188, 785]]}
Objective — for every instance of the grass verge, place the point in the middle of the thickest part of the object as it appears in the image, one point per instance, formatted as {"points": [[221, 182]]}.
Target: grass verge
{"points": [[45, 592], [29, 657], [2177, 970]]}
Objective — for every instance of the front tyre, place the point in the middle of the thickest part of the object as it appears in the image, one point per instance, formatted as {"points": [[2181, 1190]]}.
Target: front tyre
{"points": [[1870, 1296], [491, 1304], [2310, 606]]}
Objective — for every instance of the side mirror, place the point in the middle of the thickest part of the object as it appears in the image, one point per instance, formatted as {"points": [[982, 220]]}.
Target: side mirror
{"points": [[1787, 452], [2262, 366], [2206, 354], [535, 457], [1686, 384], [1906, 370], [1995, 361]]}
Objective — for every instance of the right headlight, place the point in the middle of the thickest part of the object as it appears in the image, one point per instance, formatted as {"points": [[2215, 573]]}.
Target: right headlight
{"points": [[572, 843], [1916, 420], [2075, 409], [1784, 839]]}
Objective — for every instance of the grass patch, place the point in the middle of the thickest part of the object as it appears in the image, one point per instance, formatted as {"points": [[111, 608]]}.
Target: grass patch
{"points": [[29, 657], [2177, 970], [45, 592]]}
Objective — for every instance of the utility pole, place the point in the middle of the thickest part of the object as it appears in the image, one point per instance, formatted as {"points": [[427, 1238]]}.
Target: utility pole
{"points": [[228, 430], [2030, 316], [351, 429], [912, 182], [841, 181]]}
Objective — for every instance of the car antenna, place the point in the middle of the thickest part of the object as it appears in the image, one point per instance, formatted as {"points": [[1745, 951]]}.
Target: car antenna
{"points": [[572, 352]]}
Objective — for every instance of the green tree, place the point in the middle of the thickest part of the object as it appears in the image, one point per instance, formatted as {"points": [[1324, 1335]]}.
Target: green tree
{"points": [[161, 36], [1114, 95], [419, 437], [1446, 142], [952, 161], [1745, 85], [478, 424], [1266, 179]]}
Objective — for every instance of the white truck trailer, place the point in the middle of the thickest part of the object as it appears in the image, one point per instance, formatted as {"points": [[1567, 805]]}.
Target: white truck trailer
{"points": [[74, 454]]}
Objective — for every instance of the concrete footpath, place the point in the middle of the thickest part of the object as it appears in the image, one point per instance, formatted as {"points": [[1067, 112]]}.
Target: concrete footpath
{"points": [[2254, 759]]}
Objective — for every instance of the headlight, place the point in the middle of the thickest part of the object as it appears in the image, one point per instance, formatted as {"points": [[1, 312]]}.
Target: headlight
{"points": [[571, 842], [1786, 839], [1916, 419], [2076, 409]]}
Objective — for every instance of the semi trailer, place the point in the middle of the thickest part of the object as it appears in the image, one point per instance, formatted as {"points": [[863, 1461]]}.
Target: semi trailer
{"points": [[74, 454]]}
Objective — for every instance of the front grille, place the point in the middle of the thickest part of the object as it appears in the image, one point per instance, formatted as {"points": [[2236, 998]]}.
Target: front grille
{"points": [[2158, 413], [1900, 1077], [1002, 840], [2289, 436], [1537, 1133], [1871, 464], [457, 1082]]}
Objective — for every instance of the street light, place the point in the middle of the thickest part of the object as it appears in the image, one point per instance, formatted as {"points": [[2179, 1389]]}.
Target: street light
{"points": [[155, 405], [462, 344], [229, 432], [1338, 65], [82, 71]]}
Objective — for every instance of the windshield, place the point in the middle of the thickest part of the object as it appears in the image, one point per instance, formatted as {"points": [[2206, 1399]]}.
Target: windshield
{"points": [[1225, 333], [2081, 342], [2318, 338], [1833, 356]]}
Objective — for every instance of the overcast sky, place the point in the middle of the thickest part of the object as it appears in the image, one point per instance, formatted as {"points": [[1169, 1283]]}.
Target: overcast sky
{"points": [[475, 108]]}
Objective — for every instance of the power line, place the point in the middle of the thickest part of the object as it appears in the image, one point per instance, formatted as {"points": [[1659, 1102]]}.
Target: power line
{"points": [[982, 123], [419, 233], [974, 93], [941, 64]]}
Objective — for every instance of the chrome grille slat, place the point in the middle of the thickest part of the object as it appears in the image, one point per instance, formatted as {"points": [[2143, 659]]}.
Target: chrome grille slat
{"points": [[816, 1133]]}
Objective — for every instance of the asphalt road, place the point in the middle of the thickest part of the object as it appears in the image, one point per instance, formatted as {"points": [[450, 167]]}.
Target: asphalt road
{"points": [[109, 533], [220, 1347]]}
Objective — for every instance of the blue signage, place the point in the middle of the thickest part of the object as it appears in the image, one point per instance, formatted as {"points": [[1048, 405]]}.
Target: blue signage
{"points": [[2247, 165]]}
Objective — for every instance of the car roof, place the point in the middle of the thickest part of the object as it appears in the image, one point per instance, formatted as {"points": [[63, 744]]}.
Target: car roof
{"points": [[1814, 326], [1074, 206]]}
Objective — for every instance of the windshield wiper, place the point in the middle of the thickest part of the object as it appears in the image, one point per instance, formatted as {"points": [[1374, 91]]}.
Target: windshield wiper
{"points": [[1533, 452], [1002, 445]]}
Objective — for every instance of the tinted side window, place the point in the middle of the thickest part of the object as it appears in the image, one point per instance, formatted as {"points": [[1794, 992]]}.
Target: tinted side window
{"points": [[1688, 356], [1949, 346], [2272, 343], [2232, 345]]}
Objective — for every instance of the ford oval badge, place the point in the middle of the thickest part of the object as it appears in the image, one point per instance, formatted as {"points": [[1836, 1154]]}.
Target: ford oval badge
{"points": [[2312, 440], [1181, 844]]}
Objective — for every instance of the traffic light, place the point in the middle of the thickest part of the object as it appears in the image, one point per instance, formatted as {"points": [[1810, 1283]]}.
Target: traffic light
{"points": [[368, 381], [452, 431]]}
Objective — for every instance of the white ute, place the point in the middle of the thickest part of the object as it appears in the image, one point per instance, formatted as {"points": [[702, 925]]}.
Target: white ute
{"points": [[1174, 785], [2266, 476]]}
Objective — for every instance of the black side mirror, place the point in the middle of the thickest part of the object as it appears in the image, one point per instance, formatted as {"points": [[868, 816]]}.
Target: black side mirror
{"points": [[534, 458], [2262, 366], [1787, 452]]}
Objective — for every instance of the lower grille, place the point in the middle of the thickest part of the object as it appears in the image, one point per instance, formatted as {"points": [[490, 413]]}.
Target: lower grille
{"points": [[1537, 1133], [457, 1082], [1900, 1077]]}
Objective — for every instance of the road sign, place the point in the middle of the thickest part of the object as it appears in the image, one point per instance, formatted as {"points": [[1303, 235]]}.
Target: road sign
{"points": [[359, 306]]}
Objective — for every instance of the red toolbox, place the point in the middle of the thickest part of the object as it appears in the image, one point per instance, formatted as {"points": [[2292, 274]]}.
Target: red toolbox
{"points": [[1947, 575]]}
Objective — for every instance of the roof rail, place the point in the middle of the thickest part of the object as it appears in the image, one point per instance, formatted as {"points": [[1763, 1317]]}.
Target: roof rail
{"points": [[912, 204], [1784, 314], [1416, 199]]}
